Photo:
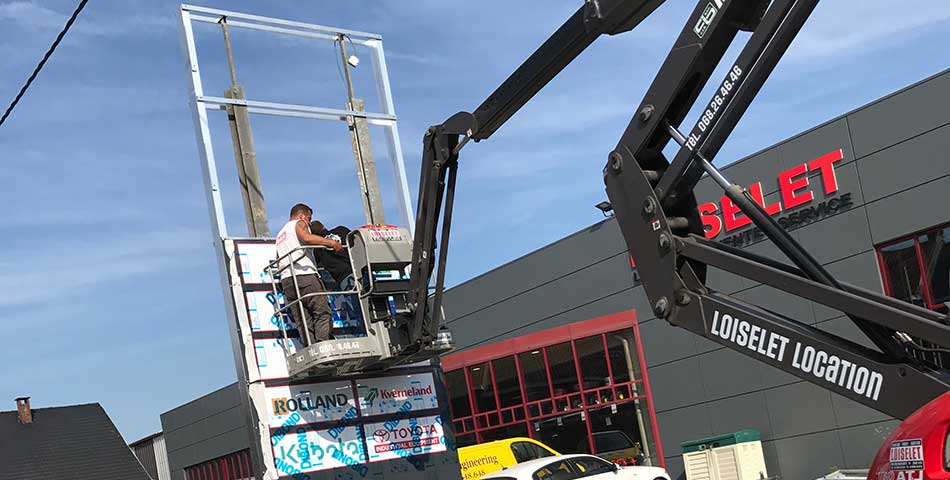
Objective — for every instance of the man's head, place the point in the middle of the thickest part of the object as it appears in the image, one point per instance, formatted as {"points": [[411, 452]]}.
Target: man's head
{"points": [[301, 211]]}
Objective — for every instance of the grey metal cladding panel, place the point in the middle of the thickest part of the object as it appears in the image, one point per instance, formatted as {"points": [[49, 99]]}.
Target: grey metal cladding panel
{"points": [[861, 443], [726, 282], [664, 343], [677, 384], [674, 468], [706, 190], [798, 409], [180, 417], [768, 249], [809, 456], [780, 302], [171, 421], [739, 413], [726, 373], [921, 207], [906, 164], [816, 143], [614, 303], [848, 182], [174, 440], [179, 459], [224, 421], [845, 328], [181, 438], [763, 167], [772, 465], [850, 413], [901, 116], [574, 252], [681, 425], [223, 444], [837, 237], [774, 377], [861, 270], [553, 298]]}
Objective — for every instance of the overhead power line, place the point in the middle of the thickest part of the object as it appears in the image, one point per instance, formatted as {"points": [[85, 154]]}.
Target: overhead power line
{"points": [[39, 66]]}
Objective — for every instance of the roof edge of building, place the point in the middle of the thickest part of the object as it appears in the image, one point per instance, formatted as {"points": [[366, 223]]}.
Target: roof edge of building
{"points": [[146, 438], [593, 226], [836, 118], [40, 409], [183, 405]]}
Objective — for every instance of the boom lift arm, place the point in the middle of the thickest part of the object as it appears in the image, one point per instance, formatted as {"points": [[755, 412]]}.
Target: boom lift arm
{"points": [[656, 209]]}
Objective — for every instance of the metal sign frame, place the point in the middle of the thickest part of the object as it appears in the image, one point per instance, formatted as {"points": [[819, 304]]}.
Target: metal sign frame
{"points": [[201, 103], [252, 387]]}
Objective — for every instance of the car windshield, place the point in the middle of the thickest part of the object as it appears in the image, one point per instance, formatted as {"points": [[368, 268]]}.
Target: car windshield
{"points": [[611, 441]]}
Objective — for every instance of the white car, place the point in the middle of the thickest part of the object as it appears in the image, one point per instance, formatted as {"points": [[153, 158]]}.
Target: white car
{"points": [[569, 467]]}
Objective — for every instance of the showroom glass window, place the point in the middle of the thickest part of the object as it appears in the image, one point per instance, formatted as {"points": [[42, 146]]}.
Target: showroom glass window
{"points": [[235, 466], [916, 268], [577, 390]]}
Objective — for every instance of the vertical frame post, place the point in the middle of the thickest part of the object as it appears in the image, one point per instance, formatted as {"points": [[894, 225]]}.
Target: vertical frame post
{"points": [[392, 136]]}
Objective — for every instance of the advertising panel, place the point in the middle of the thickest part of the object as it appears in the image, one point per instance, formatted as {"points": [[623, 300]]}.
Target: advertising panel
{"points": [[404, 438], [300, 450], [312, 402], [322, 425], [271, 364], [397, 394], [260, 310], [253, 258]]}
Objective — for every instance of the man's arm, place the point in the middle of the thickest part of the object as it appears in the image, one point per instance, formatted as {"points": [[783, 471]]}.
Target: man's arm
{"points": [[307, 238]]}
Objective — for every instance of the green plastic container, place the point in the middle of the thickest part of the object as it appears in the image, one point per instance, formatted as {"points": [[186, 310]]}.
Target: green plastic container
{"points": [[741, 436]]}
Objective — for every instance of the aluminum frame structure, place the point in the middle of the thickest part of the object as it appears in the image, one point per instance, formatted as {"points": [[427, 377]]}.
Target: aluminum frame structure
{"points": [[224, 243], [201, 103]]}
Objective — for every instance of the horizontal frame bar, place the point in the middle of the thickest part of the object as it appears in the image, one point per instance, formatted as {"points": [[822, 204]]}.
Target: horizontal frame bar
{"points": [[280, 30], [276, 21], [290, 107]]}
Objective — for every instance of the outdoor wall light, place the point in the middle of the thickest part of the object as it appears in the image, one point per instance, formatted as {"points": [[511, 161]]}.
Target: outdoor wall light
{"points": [[605, 208]]}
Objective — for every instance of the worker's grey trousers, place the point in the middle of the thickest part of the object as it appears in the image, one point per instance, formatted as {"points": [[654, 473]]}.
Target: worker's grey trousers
{"points": [[318, 314]]}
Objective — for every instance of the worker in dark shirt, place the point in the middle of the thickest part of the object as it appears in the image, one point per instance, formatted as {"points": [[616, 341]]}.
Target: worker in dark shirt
{"points": [[337, 265]]}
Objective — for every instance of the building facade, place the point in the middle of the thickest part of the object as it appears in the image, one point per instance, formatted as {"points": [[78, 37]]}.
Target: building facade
{"points": [[207, 438], [562, 345], [867, 193], [577, 388], [151, 454]]}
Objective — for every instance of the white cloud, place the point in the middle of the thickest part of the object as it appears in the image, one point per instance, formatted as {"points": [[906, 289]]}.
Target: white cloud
{"points": [[848, 28], [420, 58], [52, 272]]}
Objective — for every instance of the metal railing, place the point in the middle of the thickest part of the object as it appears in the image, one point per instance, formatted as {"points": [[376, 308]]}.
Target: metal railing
{"points": [[274, 270]]}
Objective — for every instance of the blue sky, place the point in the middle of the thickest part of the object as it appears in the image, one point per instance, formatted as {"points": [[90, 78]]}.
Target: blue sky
{"points": [[111, 289]]}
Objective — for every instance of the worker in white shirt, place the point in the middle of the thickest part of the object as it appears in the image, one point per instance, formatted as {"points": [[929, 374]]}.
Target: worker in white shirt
{"points": [[300, 266]]}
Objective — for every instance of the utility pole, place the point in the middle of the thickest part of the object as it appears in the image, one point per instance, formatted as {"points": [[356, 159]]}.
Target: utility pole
{"points": [[252, 191], [362, 148]]}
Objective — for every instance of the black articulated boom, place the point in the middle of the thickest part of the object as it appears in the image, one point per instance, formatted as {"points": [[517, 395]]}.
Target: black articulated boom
{"points": [[655, 207]]}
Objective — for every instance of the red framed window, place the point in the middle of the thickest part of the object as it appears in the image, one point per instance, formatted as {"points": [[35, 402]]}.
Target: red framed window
{"points": [[234, 466], [578, 388], [916, 268]]}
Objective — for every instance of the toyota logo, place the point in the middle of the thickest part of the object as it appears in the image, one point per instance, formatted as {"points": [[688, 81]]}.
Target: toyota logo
{"points": [[381, 435]]}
